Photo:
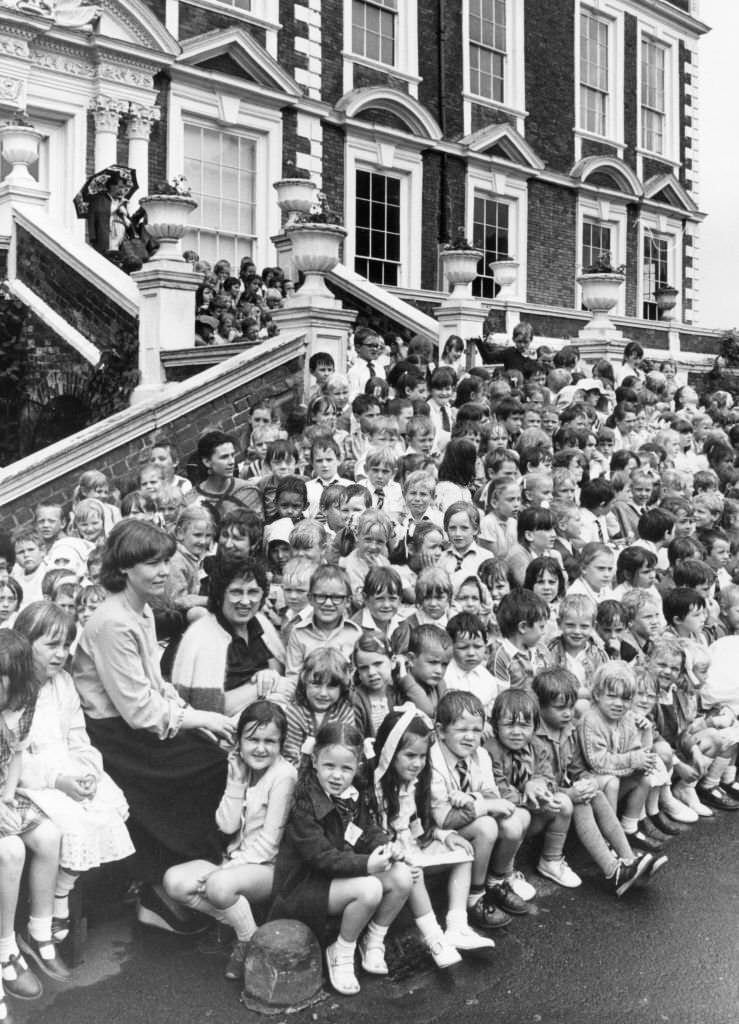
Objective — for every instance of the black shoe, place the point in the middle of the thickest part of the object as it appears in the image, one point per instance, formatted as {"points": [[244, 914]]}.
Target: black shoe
{"points": [[650, 829], [53, 966], [501, 895], [485, 915], [731, 789], [716, 798], [626, 874], [655, 866], [19, 980], [663, 823], [153, 909], [640, 841]]}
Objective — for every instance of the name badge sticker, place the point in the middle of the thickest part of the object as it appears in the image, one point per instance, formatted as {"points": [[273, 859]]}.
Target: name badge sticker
{"points": [[416, 828], [352, 834]]}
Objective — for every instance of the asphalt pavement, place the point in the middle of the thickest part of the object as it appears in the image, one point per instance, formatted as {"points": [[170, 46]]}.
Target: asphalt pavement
{"points": [[666, 954]]}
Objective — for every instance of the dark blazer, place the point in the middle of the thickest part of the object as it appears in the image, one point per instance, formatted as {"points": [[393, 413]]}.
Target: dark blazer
{"points": [[314, 852], [98, 221]]}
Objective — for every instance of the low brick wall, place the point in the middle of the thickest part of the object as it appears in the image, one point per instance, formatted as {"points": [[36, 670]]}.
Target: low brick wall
{"points": [[229, 412]]}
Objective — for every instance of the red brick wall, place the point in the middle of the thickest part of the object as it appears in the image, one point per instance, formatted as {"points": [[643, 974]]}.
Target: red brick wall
{"points": [[332, 44], [551, 244], [550, 96], [69, 294], [631, 98], [440, 67], [229, 413], [159, 129], [333, 166], [195, 20]]}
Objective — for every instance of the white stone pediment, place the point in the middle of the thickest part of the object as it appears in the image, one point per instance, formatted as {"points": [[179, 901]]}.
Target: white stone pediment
{"points": [[665, 188], [243, 50], [131, 23], [502, 140]]}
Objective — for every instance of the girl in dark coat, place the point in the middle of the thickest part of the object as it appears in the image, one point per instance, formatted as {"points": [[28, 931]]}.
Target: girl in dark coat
{"points": [[335, 860]]}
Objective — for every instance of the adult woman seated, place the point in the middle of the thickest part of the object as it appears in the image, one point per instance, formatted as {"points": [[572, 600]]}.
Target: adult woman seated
{"points": [[233, 655], [156, 747]]}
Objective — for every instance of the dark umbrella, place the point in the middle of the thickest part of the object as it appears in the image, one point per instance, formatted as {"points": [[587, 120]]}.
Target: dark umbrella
{"points": [[98, 182]]}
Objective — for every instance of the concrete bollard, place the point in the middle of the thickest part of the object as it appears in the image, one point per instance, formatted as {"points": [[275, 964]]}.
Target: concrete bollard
{"points": [[283, 969]]}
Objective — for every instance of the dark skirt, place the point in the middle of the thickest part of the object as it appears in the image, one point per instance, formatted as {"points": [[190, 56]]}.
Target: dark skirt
{"points": [[173, 788]]}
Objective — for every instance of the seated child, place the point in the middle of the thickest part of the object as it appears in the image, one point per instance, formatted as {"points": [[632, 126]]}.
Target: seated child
{"points": [[426, 659], [291, 499], [596, 822], [296, 578], [324, 457], [498, 529], [50, 522], [524, 775], [465, 797], [335, 860], [462, 525], [194, 535], [381, 592], [466, 670], [259, 790], [685, 612], [517, 657], [433, 595], [611, 745], [401, 781], [308, 540], [643, 620], [322, 695], [577, 647], [535, 531], [610, 627], [30, 562], [545, 578], [471, 595], [373, 536], [320, 366], [373, 694], [597, 565]]}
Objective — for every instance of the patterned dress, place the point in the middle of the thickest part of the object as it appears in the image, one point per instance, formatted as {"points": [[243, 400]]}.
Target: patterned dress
{"points": [[14, 729]]}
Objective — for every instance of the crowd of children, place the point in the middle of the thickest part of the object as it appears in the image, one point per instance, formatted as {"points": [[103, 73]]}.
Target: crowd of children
{"points": [[447, 610], [230, 308]]}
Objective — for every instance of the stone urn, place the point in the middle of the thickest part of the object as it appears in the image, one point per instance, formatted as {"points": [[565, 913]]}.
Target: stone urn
{"points": [[459, 266], [600, 295], [19, 144], [295, 196], [666, 298], [505, 274], [315, 251], [167, 219]]}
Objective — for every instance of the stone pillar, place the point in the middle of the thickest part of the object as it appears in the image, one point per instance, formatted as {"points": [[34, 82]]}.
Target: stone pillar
{"points": [[326, 329], [284, 250], [138, 129], [166, 320], [463, 317], [107, 113]]}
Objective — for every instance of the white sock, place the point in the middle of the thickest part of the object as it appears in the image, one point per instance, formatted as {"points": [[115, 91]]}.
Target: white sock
{"points": [[629, 825], [375, 934], [61, 906], [8, 948], [729, 774], [241, 919], [428, 926], [474, 896], [344, 947], [39, 928], [65, 882], [456, 920]]}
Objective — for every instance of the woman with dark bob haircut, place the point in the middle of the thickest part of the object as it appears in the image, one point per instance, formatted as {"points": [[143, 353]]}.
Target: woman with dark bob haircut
{"points": [[156, 747], [233, 655]]}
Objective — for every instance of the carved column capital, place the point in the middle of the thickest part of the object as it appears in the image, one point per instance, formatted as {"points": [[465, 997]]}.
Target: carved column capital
{"points": [[106, 112], [139, 122]]}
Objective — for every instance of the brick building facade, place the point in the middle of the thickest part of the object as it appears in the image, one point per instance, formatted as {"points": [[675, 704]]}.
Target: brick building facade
{"points": [[550, 131]]}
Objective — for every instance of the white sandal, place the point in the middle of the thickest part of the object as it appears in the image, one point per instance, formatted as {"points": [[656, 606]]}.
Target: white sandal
{"points": [[372, 957], [341, 971]]}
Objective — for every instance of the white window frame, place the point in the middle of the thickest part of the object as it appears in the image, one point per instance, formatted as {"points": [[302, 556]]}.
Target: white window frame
{"points": [[670, 228], [400, 159], [264, 14], [514, 81], [405, 67], [226, 112], [492, 182], [670, 43], [613, 16], [610, 211]]}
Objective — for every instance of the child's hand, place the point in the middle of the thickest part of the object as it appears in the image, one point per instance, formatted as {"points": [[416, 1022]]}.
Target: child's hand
{"points": [[10, 819], [397, 851], [684, 772], [90, 785], [454, 841], [74, 788], [536, 793], [583, 791], [642, 722], [701, 761], [237, 770], [379, 860], [265, 681], [500, 808], [487, 730], [459, 799], [642, 762]]}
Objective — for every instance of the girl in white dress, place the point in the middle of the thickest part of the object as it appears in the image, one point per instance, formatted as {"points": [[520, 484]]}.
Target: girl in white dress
{"points": [[61, 771], [402, 793]]}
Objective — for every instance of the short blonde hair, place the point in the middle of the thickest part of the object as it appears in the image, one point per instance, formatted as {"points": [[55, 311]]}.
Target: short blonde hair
{"points": [[614, 677]]}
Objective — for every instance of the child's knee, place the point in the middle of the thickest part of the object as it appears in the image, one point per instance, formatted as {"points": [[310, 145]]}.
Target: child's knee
{"points": [[176, 883], [12, 854], [664, 752], [45, 839], [369, 891], [219, 889], [399, 878], [515, 827], [565, 805], [482, 831]]}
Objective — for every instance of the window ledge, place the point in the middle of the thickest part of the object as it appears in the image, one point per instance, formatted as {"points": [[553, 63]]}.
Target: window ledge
{"points": [[247, 16], [483, 101], [376, 65], [581, 133], [651, 155]]}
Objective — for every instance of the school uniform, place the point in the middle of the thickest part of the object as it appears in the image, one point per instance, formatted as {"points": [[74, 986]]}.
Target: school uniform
{"points": [[315, 488], [449, 774], [515, 667], [478, 681], [305, 637], [324, 839], [469, 561]]}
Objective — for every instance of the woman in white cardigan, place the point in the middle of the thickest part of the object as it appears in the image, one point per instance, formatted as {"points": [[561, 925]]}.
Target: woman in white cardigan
{"points": [[233, 655]]}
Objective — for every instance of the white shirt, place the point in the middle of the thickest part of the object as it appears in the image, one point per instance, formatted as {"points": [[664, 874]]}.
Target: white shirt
{"points": [[478, 681]]}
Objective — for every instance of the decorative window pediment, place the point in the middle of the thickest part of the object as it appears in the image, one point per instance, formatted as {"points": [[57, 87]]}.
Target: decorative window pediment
{"points": [[503, 142], [608, 172], [665, 188], [236, 52], [404, 108]]}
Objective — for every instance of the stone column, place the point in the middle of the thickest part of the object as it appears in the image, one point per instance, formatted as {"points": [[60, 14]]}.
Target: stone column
{"points": [[138, 129], [107, 113]]}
